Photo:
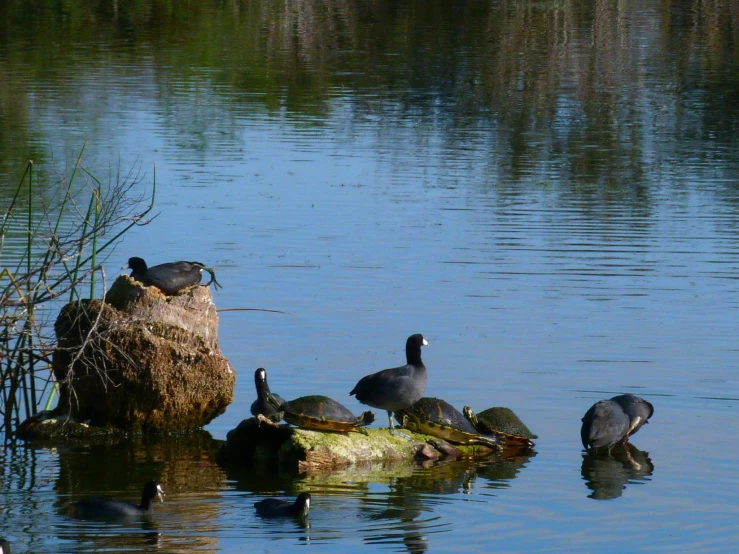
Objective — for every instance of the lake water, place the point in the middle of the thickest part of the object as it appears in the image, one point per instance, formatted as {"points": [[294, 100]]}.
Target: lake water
{"points": [[548, 191]]}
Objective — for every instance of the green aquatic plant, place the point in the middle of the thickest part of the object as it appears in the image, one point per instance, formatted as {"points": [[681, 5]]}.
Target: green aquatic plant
{"points": [[52, 237]]}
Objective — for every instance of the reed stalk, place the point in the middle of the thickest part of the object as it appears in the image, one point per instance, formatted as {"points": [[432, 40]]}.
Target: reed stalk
{"points": [[62, 246]]}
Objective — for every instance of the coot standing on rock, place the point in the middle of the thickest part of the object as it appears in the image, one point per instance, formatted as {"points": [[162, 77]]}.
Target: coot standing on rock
{"points": [[100, 507], [261, 405], [609, 422], [276, 507], [397, 388], [171, 277]]}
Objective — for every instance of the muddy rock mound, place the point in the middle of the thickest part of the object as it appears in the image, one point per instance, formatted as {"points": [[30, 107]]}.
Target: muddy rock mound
{"points": [[142, 361]]}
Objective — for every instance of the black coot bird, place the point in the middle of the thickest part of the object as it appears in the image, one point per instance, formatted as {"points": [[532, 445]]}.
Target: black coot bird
{"points": [[170, 278], [4, 547], [397, 388], [100, 507], [261, 405], [276, 507], [612, 421]]}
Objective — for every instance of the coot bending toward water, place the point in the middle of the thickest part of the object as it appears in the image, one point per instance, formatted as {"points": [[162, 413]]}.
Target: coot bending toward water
{"points": [[276, 507], [397, 388], [171, 277], [261, 405], [638, 410], [4, 547], [609, 422], [101, 507]]}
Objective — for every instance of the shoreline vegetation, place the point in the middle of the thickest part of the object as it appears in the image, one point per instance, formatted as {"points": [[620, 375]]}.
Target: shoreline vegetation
{"points": [[53, 236]]}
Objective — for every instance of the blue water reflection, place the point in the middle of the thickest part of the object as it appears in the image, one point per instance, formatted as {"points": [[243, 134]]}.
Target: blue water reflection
{"points": [[548, 192]]}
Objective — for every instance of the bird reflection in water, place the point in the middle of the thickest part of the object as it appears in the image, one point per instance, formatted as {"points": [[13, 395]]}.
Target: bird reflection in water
{"points": [[607, 474]]}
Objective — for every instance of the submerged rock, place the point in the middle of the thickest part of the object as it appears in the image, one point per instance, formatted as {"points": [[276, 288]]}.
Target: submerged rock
{"points": [[255, 442], [51, 425], [142, 361]]}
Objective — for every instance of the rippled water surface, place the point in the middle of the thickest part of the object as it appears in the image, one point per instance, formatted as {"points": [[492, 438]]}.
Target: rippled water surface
{"points": [[547, 191]]}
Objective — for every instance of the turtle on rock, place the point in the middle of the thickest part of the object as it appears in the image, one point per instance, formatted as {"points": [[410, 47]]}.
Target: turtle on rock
{"points": [[438, 418], [502, 423], [319, 413]]}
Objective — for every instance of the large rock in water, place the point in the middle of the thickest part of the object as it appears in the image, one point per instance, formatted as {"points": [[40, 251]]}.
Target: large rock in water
{"points": [[142, 361]]}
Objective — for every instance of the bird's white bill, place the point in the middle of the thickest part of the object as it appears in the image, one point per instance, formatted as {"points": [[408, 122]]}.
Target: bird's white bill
{"points": [[425, 342], [633, 425], [160, 493], [307, 505]]}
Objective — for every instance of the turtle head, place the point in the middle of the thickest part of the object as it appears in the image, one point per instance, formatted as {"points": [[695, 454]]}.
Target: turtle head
{"points": [[403, 419], [470, 415]]}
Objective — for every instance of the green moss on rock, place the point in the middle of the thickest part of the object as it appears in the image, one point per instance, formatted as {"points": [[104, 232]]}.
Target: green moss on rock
{"points": [[252, 443]]}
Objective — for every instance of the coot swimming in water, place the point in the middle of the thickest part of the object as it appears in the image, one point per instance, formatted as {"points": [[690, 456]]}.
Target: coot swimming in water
{"points": [[100, 507], [276, 507]]}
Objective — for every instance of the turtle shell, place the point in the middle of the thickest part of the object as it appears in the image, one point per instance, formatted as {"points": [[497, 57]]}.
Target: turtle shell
{"points": [[438, 418], [323, 414], [503, 423]]}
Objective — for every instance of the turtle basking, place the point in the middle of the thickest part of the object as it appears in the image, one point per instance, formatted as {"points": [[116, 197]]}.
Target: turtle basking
{"points": [[320, 413], [438, 418], [502, 423]]}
